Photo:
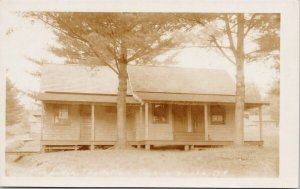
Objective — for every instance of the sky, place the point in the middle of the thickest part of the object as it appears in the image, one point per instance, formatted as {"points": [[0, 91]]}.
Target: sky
{"points": [[26, 39]]}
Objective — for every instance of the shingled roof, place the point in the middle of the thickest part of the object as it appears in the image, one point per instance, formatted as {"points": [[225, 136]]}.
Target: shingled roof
{"points": [[74, 78], [145, 82], [180, 80]]}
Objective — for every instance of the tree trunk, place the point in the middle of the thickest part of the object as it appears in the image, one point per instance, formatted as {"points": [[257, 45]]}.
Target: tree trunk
{"points": [[240, 84], [121, 101]]}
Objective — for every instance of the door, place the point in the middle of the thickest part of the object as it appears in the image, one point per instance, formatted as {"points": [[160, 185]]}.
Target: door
{"points": [[180, 118], [180, 122], [197, 116], [184, 118], [85, 122]]}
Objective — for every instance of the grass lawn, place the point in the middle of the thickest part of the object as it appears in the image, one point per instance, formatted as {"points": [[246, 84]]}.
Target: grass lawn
{"points": [[248, 161]]}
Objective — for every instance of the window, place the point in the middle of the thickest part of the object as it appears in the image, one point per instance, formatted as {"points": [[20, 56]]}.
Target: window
{"points": [[217, 114], [61, 115], [160, 113]]}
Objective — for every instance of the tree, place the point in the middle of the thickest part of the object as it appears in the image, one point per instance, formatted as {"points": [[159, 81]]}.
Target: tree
{"points": [[228, 34], [252, 92], [237, 29], [269, 45], [274, 97], [37, 74], [113, 40], [14, 110]]}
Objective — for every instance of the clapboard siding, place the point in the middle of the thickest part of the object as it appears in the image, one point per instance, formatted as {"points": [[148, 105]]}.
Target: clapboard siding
{"points": [[106, 124], [85, 128], [80, 126], [225, 131], [61, 132], [162, 131]]}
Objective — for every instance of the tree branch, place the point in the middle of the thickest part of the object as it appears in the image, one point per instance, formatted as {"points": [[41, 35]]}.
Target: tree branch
{"points": [[251, 24], [143, 51], [214, 40], [75, 36], [139, 53], [198, 46], [98, 55], [115, 52], [229, 35]]}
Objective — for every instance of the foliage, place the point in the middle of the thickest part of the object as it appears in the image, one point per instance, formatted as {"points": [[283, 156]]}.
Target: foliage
{"points": [[219, 32], [268, 40], [14, 110], [39, 64], [252, 92], [96, 38], [274, 98]]}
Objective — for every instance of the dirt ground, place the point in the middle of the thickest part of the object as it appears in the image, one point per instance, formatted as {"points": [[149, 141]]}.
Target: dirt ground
{"points": [[248, 161]]}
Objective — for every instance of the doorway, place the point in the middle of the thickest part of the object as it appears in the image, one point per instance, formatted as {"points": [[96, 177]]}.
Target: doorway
{"points": [[188, 122]]}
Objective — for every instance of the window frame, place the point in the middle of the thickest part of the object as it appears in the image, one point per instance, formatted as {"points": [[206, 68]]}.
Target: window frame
{"points": [[221, 111], [158, 121], [57, 110]]}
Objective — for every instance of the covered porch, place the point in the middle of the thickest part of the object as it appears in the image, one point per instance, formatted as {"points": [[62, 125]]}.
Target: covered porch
{"points": [[193, 124], [151, 123], [73, 122]]}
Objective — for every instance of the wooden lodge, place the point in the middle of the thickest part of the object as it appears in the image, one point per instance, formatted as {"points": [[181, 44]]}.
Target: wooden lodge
{"points": [[165, 106]]}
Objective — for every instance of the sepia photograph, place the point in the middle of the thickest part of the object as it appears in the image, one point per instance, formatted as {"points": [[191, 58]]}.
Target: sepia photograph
{"points": [[159, 94]]}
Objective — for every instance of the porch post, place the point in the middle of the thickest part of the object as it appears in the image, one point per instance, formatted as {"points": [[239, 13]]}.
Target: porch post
{"points": [[146, 120], [93, 128], [171, 117], [260, 124], [42, 126], [189, 120], [140, 124], [205, 122], [147, 146]]}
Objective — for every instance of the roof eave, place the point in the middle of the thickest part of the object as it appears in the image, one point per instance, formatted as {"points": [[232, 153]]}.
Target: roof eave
{"points": [[83, 98]]}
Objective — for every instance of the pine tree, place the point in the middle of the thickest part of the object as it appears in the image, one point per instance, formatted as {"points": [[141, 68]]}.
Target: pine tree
{"points": [[274, 98], [14, 110], [228, 33]]}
